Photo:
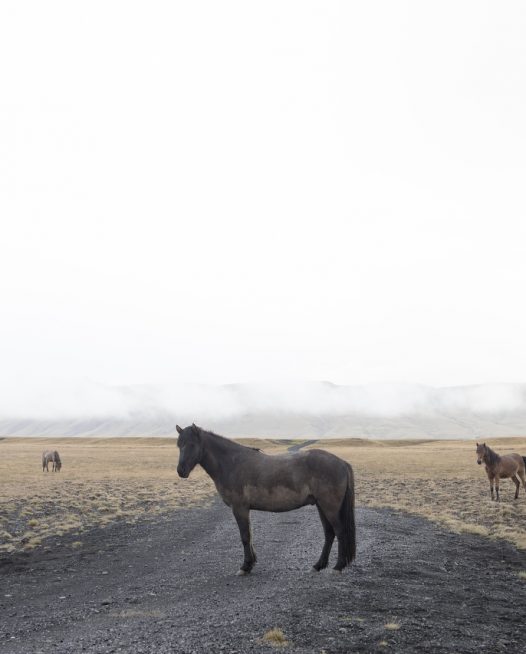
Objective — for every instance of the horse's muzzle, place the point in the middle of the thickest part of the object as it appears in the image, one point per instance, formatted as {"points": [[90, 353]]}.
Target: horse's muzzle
{"points": [[182, 472], [479, 462]]}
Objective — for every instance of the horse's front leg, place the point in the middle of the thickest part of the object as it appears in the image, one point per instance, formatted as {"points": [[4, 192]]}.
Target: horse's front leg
{"points": [[497, 487], [242, 516], [491, 487]]}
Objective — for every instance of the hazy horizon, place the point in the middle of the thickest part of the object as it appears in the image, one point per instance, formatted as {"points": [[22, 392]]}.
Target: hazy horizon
{"points": [[217, 192], [86, 400]]}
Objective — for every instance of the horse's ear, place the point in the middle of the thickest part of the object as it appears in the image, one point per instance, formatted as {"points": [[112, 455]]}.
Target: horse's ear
{"points": [[195, 429], [179, 430]]}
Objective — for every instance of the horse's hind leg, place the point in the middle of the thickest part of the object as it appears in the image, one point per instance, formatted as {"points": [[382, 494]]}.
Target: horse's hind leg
{"points": [[242, 517], [329, 538], [332, 514], [522, 476], [517, 483]]}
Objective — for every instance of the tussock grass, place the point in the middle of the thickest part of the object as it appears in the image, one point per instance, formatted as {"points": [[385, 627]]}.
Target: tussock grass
{"points": [[522, 574], [128, 479], [103, 480], [438, 480], [275, 637], [392, 626]]}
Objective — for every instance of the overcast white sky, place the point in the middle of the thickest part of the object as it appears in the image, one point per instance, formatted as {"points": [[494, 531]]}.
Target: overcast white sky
{"points": [[230, 191]]}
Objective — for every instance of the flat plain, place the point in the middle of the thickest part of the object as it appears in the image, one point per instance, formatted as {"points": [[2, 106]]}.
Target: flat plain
{"points": [[116, 554], [104, 481]]}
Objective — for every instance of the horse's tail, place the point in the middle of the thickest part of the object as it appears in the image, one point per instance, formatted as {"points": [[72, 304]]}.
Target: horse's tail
{"points": [[347, 518]]}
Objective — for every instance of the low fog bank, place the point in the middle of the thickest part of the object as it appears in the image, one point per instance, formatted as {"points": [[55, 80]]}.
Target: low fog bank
{"points": [[312, 410]]}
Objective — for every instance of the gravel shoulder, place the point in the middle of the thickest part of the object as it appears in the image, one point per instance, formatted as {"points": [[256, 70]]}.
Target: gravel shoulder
{"points": [[169, 585]]}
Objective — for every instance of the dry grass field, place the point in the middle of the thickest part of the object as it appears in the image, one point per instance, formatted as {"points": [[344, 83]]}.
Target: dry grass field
{"points": [[106, 480], [101, 481], [439, 480]]}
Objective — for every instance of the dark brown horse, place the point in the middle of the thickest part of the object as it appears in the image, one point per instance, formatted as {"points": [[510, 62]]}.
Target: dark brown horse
{"points": [[247, 479], [501, 467]]}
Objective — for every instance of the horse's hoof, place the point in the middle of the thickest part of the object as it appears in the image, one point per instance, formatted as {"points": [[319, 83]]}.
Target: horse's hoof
{"points": [[241, 573], [335, 571], [313, 571]]}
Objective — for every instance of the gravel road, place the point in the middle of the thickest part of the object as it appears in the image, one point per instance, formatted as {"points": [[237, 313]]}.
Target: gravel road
{"points": [[169, 585]]}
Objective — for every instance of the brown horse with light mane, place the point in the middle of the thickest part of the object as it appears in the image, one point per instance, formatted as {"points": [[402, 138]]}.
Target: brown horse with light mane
{"points": [[498, 467]]}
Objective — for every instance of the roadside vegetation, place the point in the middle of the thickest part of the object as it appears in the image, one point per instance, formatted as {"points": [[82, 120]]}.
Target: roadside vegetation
{"points": [[439, 480], [128, 479]]}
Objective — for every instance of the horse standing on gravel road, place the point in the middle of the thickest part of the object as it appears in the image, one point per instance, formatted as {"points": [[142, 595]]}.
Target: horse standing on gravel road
{"points": [[501, 467], [248, 479], [51, 457]]}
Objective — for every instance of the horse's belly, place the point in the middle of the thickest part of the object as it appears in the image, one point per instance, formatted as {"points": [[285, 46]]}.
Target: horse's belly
{"points": [[277, 499]]}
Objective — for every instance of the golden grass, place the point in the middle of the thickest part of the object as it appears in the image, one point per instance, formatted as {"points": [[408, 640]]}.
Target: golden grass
{"points": [[275, 637], [439, 480], [392, 626], [101, 481], [107, 480]]}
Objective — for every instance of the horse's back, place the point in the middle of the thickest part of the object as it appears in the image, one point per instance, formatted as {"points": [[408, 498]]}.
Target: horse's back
{"points": [[314, 468], [517, 458], [314, 461], [511, 464]]}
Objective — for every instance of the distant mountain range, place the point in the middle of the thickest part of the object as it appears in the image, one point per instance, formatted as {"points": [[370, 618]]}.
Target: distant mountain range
{"points": [[294, 410]]}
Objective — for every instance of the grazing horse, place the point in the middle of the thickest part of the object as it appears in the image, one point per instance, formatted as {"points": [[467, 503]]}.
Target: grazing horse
{"points": [[247, 479], [51, 457], [502, 467]]}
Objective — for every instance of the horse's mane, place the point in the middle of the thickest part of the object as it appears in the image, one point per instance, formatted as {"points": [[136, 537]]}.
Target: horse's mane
{"points": [[227, 442], [492, 456]]}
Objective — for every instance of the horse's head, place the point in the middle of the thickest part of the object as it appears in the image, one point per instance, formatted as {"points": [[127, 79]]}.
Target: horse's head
{"points": [[190, 449], [481, 451]]}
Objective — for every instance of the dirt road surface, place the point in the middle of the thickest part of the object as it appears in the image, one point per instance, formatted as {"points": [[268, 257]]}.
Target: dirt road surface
{"points": [[169, 586]]}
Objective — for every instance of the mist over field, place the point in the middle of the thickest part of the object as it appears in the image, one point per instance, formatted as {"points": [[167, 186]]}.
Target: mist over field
{"points": [[315, 409]]}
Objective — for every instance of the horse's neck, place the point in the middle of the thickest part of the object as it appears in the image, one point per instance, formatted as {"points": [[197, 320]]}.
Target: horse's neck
{"points": [[216, 451], [491, 457]]}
